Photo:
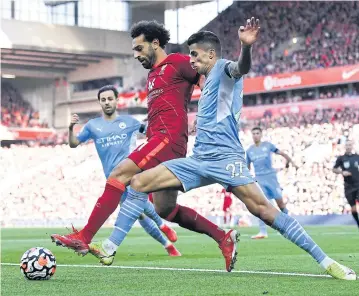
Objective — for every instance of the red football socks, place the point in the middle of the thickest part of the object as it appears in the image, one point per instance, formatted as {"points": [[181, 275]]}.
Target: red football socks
{"points": [[104, 207], [191, 220]]}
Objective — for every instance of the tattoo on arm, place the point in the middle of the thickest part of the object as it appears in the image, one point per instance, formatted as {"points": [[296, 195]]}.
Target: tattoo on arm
{"points": [[243, 65]]}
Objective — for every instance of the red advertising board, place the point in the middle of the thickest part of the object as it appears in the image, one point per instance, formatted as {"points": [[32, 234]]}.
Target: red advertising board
{"points": [[305, 79], [256, 112], [29, 133]]}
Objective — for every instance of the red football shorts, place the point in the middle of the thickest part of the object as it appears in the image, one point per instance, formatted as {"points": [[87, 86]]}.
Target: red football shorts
{"points": [[155, 151], [150, 197]]}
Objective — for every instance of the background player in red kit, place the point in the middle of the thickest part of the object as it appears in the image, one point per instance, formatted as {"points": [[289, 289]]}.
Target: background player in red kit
{"points": [[227, 202], [170, 84]]}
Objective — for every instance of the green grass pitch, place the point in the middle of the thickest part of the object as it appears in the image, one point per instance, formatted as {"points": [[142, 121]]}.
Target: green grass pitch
{"points": [[273, 256]]}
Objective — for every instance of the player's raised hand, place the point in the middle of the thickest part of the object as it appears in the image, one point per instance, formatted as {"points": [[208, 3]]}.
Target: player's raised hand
{"points": [[346, 173], [248, 34], [295, 166], [74, 120]]}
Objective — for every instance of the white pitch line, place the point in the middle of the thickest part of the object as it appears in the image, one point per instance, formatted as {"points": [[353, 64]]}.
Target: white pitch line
{"points": [[185, 269], [271, 235]]}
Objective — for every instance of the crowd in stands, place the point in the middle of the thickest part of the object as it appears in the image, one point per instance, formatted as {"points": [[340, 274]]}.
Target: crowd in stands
{"points": [[298, 95], [57, 185], [16, 111], [327, 92], [327, 34], [47, 183]]}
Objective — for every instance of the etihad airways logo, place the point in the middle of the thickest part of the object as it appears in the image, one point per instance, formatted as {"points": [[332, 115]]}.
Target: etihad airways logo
{"points": [[112, 140], [270, 82]]}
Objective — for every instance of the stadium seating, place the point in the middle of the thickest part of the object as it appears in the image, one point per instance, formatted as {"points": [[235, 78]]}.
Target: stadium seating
{"points": [[16, 111], [326, 34], [59, 185]]}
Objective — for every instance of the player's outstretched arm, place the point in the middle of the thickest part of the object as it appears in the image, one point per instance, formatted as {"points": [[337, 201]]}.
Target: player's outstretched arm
{"points": [[73, 141], [247, 35], [287, 158]]}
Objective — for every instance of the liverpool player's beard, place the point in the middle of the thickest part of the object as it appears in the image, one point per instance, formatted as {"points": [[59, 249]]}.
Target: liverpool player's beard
{"points": [[150, 59]]}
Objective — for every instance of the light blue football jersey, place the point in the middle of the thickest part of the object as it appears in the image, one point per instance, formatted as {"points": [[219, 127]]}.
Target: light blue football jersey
{"points": [[261, 157], [219, 109], [114, 140]]}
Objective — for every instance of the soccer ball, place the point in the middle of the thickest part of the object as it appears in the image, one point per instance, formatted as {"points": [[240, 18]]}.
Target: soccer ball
{"points": [[38, 264]]}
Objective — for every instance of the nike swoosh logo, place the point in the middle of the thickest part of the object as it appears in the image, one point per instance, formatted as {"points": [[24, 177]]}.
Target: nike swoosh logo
{"points": [[347, 75]]}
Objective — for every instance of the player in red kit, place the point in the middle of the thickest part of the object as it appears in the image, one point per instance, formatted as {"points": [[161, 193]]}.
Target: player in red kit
{"points": [[170, 83], [227, 202]]}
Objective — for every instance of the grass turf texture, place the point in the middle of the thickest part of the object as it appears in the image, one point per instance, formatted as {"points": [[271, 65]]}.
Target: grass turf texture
{"points": [[274, 254]]}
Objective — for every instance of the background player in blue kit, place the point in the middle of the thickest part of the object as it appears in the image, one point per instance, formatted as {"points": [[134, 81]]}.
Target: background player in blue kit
{"points": [[260, 155], [218, 155], [115, 137]]}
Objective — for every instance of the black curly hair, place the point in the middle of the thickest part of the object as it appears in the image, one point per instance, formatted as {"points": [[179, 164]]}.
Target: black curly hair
{"points": [[151, 30]]}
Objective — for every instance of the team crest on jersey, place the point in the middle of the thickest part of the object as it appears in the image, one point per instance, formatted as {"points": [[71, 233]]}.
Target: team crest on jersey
{"points": [[264, 149], [346, 164], [151, 84], [163, 70], [122, 125]]}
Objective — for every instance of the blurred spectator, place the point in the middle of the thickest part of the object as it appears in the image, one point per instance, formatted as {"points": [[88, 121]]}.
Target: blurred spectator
{"points": [[17, 112], [329, 31], [56, 184]]}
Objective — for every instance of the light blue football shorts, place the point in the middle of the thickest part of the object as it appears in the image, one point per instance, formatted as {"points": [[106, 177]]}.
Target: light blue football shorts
{"points": [[270, 186], [194, 172]]}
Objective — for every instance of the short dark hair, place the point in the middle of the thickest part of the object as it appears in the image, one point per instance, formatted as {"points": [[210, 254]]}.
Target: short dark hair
{"points": [[106, 88], [206, 37], [151, 30], [257, 128]]}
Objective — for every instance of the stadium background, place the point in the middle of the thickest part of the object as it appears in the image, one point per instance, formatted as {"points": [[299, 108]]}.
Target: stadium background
{"points": [[303, 89]]}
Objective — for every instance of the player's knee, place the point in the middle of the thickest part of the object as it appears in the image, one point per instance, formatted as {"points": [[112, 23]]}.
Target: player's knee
{"points": [[125, 171], [165, 203], [137, 184], [163, 210]]}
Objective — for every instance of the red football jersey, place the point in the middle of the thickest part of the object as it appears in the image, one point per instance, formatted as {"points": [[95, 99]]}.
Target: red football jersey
{"points": [[227, 201], [169, 89]]}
